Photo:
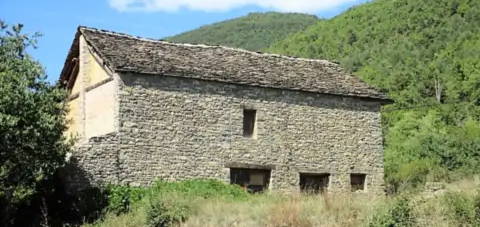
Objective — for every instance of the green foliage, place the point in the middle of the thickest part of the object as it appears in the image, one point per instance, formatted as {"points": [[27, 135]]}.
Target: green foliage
{"points": [[200, 188], [422, 145], [255, 31], [167, 210], [32, 122], [476, 206], [409, 48], [399, 213], [121, 198], [168, 203], [462, 208], [426, 56]]}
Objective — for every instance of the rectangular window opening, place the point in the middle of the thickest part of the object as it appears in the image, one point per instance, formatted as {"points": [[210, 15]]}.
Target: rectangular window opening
{"points": [[249, 118], [314, 183], [357, 181], [252, 180]]}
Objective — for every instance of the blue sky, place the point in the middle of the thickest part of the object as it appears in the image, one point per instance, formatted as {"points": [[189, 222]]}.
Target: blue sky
{"points": [[57, 20]]}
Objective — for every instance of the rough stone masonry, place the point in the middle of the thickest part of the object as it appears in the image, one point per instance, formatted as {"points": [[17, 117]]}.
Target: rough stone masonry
{"points": [[181, 111]]}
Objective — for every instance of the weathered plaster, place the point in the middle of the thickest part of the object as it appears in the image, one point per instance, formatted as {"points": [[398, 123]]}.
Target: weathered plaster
{"points": [[93, 97], [74, 117], [100, 110]]}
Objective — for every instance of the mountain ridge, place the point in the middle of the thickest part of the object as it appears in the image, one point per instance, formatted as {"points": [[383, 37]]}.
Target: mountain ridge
{"points": [[255, 31]]}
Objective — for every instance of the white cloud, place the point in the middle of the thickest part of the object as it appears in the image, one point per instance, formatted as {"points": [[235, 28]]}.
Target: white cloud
{"points": [[307, 6]]}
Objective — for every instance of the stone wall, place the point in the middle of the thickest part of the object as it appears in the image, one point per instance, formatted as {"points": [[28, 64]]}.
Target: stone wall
{"points": [[94, 162], [176, 128]]}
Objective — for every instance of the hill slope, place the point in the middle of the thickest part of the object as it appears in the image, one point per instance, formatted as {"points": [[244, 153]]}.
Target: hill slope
{"points": [[395, 44], [256, 31], [426, 55]]}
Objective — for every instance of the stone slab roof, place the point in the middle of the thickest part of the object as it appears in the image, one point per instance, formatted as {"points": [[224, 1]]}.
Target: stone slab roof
{"points": [[126, 53]]}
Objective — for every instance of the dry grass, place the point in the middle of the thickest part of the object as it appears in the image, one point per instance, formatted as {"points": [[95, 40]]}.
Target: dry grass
{"points": [[329, 210], [276, 210], [288, 213], [132, 219]]}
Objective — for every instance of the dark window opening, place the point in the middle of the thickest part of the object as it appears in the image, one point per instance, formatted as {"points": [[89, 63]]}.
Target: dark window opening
{"points": [[314, 183], [252, 180], [249, 117], [357, 181]]}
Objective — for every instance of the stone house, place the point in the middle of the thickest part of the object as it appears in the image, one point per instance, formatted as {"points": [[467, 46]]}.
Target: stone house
{"points": [[145, 109]]}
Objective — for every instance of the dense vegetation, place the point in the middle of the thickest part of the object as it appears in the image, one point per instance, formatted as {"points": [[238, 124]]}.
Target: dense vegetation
{"points": [[211, 203], [426, 56], [32, 124], [164, 203], [255, 31]]}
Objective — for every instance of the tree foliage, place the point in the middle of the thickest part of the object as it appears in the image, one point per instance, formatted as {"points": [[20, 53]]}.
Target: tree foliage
{"points": [[32, 121], [255, 31], [426, 56]]}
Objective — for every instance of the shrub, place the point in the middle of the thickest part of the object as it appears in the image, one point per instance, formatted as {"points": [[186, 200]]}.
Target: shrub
{"points": [[167, 210], [414, 174], [121, 198], [398, 213], [167, 203], [202, 188], [170, 203]]}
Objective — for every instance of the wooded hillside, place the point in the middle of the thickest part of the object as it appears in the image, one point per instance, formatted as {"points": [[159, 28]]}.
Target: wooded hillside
{"points": [[426, 56], [256, 31]]}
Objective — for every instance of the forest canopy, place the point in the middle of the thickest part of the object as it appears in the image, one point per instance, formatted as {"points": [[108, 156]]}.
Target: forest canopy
{"points": [[256, 31], [426, 56]]}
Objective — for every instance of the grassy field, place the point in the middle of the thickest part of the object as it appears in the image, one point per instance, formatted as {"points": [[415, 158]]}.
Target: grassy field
{"points": [[457, 204]]}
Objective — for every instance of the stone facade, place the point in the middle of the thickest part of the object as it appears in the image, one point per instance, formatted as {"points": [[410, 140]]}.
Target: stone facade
{"points": [[176, 128]]}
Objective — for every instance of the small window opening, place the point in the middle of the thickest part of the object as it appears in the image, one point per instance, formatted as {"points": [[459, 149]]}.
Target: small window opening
{"points": [[357, 182], [314, 183], [252, 180], [249, 117]]}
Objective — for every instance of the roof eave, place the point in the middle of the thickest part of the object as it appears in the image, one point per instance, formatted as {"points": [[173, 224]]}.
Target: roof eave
{"points": [[72, 53], [382, 98]]}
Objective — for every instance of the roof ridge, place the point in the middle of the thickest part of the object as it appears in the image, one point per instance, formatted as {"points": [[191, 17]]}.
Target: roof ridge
{"points": [[128, 53], [264, 54]]}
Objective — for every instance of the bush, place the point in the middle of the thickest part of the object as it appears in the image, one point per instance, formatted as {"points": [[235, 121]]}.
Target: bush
{"points": [[415, 174], [398, 213], [121, 198], [202, 188], [167, 210], [167, 203], [170, 203]]}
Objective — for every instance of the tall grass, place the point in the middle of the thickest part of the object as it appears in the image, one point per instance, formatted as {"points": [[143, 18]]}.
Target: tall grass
{"points": [[275, 210], [213, 204]]}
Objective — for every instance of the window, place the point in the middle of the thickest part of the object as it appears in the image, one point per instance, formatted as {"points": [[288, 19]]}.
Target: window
{"points": [[249, 117], [314, 183], [253, 180], [357, 181]]}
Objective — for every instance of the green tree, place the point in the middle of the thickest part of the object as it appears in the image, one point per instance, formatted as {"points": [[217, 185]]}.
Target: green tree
{"points": [[426, 56], [32, 122]]}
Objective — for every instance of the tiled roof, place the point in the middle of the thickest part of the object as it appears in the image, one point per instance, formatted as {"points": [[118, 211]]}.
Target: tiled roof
{"points": [[125, 53]]}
